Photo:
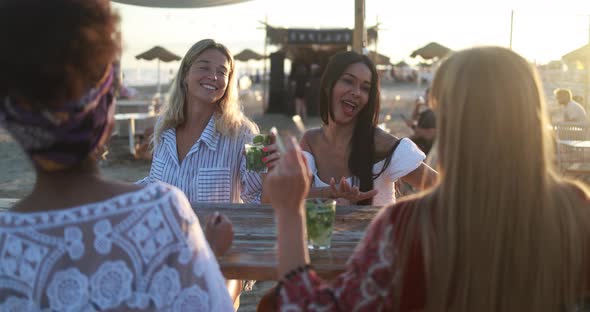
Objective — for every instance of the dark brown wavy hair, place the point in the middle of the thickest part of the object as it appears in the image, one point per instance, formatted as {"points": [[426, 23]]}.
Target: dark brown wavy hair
{"points": [[54, 50], [362, 149]]}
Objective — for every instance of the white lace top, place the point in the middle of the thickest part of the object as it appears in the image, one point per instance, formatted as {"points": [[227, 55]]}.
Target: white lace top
{"points": [[406, 158], [143, 250]]}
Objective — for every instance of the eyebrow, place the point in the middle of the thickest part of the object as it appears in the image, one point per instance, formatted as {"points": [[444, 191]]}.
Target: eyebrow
{"points": [[207, 62], [355, 77]]}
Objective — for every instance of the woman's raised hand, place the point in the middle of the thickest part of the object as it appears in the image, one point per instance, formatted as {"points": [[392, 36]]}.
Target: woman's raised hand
{"points": [[352, 194], [288, 183], [271, 160]]}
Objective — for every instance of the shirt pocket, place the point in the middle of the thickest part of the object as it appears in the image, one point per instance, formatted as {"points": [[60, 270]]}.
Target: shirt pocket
{"points": [[214, 185]]}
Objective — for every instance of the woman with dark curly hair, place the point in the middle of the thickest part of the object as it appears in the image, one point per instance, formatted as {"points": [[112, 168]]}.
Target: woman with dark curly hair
{"points": [[80, 242]]}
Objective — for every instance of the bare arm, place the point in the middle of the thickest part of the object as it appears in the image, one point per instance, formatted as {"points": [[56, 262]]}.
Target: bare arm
{"points": [[425, 133], [422, 177], [416, 111]]}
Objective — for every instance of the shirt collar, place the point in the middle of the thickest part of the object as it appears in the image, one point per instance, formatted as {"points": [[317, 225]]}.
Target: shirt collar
{"points": [[210, 136]]}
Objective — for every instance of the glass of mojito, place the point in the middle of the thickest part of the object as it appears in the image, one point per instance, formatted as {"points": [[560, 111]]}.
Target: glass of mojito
{"points": [[254, 153], [320, 214]]}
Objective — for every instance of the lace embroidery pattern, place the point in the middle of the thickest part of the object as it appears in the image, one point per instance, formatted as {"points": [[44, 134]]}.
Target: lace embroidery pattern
{"points": [[139, 250]]}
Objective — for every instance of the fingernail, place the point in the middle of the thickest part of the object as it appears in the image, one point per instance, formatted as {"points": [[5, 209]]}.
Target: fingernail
{"points": [[264, 149], [264, 159]]}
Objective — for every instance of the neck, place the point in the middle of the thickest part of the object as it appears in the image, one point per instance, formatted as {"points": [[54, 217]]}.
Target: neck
{"points": [[54, 183], [338, 133], [198, 114]]}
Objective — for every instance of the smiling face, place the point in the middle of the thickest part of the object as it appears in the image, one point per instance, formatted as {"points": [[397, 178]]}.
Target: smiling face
{"points": [[207, 78], [350, 93]]}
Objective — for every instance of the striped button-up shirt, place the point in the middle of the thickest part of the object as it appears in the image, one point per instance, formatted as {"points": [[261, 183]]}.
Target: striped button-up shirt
{"points": [[214, 169]]}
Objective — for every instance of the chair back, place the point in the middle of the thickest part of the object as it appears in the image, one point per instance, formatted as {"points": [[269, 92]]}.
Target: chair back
{"points": [[578, 132]]}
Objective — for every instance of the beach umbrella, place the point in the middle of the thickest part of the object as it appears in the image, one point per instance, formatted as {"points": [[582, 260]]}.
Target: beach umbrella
{"points": [[431, 51], [581, 55], [247, 54], [179, 3], [159, 54], [378, 58], [401, 64]]}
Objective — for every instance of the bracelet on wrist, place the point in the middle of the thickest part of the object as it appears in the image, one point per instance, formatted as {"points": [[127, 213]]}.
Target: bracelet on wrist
{"points": [[289, 275]]}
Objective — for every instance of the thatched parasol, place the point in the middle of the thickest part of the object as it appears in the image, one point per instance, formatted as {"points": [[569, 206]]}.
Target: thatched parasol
{"points": [[247, 54], [160, 54], [578, 55], [379, 59], [179, 3], [401, 64], [431, 51]]}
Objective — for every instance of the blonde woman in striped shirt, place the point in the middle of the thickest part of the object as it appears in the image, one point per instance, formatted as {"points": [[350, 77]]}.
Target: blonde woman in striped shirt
{"points": [[199, 139]]}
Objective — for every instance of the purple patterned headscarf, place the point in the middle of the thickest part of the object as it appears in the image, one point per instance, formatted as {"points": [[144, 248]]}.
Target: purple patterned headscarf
{"points": [[56, 139]]}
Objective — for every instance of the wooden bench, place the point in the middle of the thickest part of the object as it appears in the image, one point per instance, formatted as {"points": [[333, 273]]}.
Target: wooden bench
{"points": [[131, 118]]}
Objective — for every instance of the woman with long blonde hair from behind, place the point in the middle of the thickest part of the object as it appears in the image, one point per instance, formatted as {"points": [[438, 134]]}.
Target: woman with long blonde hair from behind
{"points": [[502, 231]]}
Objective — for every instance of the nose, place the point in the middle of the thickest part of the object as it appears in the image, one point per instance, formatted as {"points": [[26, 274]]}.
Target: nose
{"points": [[356, 90]]}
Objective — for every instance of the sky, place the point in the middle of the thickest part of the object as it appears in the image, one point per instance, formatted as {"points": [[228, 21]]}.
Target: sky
{"points": [[542, 30]]}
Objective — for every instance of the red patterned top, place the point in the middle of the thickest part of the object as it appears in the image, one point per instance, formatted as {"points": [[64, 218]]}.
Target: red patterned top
{"points": [[368, 283], [372, 275]]}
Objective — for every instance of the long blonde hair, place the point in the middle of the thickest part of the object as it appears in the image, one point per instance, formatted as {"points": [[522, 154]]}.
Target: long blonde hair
{"points": [[509, 234], [230, 120]]}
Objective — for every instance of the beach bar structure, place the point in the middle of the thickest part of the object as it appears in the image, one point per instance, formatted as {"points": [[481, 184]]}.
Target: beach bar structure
{"points": [[308, 48]]}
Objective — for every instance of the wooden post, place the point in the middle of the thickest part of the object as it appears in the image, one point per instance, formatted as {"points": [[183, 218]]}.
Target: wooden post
{"points": [[587, 68], [511, 27], [359, 34], [264, 60]]}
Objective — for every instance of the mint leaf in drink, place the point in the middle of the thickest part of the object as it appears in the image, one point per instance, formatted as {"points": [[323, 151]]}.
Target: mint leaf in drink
{"points": [[259, 139]]}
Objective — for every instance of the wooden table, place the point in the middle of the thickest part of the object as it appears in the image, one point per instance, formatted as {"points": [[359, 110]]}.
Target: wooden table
{"points": [[253, 252], [7, 203], [575, 143]]}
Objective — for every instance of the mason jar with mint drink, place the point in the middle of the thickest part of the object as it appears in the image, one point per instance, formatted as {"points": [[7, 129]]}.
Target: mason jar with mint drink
{"points": [[320, 213], [255, 153]]}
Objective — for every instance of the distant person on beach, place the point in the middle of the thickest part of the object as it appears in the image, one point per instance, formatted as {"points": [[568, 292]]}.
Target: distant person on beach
{"points": [[579, 99], [300, 82], [350, 157], [79, 242], [502, 231], [572, 111], [199, 138], [423, 122]]}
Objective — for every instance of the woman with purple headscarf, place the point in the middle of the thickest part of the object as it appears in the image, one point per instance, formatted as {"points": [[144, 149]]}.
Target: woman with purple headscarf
{"points": [[80, 242]]}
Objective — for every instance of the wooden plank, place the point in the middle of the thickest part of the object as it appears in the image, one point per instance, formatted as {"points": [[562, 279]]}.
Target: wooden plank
{"points": [[7, 203], [253, 254]]}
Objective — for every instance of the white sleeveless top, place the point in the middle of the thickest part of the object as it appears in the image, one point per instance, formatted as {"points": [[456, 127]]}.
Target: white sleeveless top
{"points": [[406, 158]]}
